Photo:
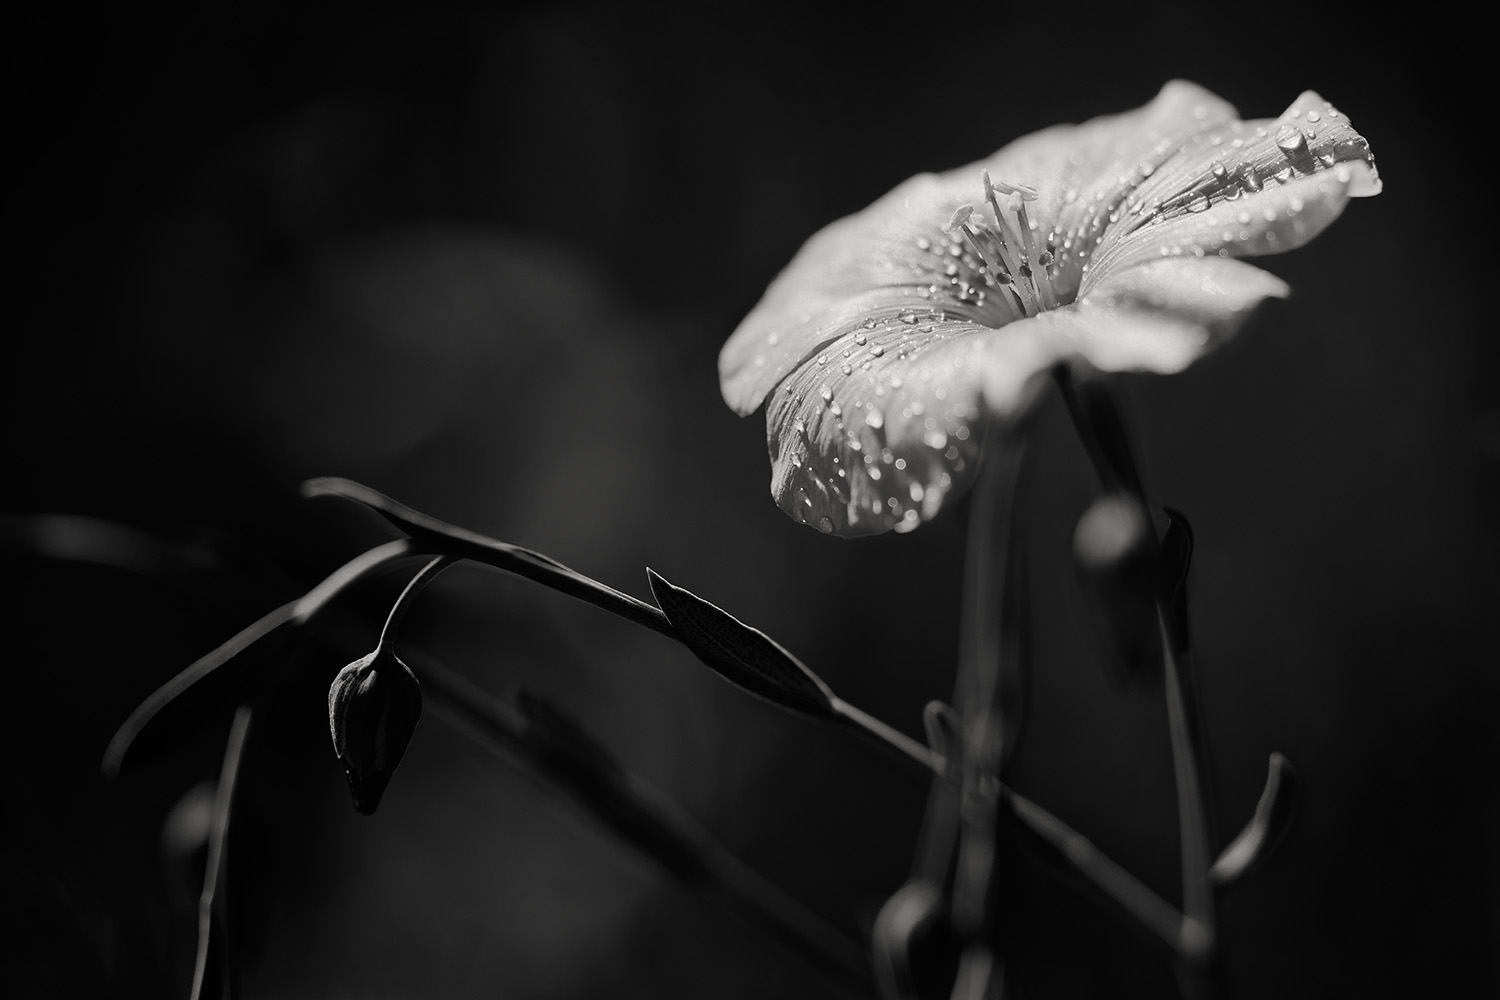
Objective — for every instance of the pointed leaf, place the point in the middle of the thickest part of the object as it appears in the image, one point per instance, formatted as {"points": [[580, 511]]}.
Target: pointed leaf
{"points": [[742, 655], [1272, 820]]}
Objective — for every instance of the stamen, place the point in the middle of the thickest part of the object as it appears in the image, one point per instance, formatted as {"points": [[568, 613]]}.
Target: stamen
{"points": [[960, 216], [1028, 193], [1012, 262], [990, 249], [1038, 270], [1037, 291]]}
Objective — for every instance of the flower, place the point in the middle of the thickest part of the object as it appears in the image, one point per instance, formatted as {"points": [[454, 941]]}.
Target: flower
{"points": [[882, 345]]}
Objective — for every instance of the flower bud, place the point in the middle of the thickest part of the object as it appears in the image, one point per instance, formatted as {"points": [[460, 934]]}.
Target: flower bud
{"points": [[1116, 555], [373, 707]]}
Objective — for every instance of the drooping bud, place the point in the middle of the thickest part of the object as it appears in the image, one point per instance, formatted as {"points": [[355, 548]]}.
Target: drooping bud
{"points": [[1116, 556], [373, 707]]}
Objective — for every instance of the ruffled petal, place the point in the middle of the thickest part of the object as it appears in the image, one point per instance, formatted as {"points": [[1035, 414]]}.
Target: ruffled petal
{"points": [[882, 424], [893, 254], [1158, 317], [1083, 174], [1242, 189]]}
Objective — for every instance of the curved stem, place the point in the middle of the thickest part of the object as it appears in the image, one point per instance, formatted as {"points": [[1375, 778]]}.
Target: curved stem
{"points": [[408, 597], [292, 614], [213, 966], [442, 538]]}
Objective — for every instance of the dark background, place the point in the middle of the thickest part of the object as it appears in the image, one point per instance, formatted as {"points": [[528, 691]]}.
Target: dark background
{"points": [[484, 261]]}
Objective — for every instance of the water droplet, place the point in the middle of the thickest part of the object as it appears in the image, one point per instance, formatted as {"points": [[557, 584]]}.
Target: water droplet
{"points": [[1314, 117], [923, 243], [936, 439], [875, 418], [1218, 170], [860, 338], [877, 350], [826, 393], [825, 524], [1199, 203], [1290, 140], [822, 359]]}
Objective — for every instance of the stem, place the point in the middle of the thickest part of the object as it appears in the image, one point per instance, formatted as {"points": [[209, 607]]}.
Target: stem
{"points": [[1101, 428], [442, 538], [1187, 752], [990, 699], [640, 816], [408, 597], [888, 736], [293, 614], [1077, 852], [212, 966]]}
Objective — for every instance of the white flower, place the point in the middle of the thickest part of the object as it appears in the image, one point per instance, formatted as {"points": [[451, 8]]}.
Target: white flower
{"points": [[880, 347]]}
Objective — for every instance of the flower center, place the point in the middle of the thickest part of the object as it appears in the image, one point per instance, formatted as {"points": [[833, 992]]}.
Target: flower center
{"points": [[1009, 251]]}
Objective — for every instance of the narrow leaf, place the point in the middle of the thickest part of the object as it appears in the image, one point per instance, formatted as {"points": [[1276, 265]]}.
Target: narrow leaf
{"points": [[742, 655], [1272, 819]]}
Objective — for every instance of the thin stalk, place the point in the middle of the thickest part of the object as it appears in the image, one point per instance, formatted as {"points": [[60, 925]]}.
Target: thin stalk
{"points": [[1197, 853], [213, 967], [408, 597], [640, 816], [1101, 428], [888, 736], [990, 698], [293, 614], [441, 538]]}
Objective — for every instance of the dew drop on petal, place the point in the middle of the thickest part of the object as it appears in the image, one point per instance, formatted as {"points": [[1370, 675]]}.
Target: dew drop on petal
{"points": [[1290, 140]]}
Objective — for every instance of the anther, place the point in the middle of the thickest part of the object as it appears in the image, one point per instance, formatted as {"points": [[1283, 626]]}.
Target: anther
{"points": [[960, 216]]}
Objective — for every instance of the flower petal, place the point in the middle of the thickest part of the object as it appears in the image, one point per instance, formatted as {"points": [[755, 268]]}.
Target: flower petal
{"points": [[1242, 189], [1158, 317], [1083, 174], [890, 255], [881, 424], [895, 250]]}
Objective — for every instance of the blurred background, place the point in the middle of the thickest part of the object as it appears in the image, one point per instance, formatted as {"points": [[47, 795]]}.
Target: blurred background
{"points": [[483, 259]]}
